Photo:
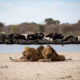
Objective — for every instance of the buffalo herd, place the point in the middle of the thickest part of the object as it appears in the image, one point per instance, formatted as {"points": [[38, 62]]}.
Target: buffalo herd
{"points": [[38, 38]]}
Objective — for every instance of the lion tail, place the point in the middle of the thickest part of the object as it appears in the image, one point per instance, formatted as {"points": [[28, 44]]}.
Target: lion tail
{"points": [[14, 60], [18, 60]]}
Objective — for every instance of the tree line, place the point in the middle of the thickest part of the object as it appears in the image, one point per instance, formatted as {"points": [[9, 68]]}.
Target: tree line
{"points": [[50, 26]]}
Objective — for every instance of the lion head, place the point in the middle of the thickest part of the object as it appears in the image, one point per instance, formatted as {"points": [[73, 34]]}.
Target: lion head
{"points": [[48, 51], [39, 49], [31, 54]]}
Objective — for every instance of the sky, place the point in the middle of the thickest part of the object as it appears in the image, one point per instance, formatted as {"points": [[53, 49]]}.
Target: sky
{"points": [[19, 11]]}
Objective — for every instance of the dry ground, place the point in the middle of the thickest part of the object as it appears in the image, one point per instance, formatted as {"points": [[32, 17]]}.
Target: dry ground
{"points": [[65, 70]]}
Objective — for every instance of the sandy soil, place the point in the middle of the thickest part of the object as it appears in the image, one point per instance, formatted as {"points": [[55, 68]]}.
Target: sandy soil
{"points": [[65, 70]]}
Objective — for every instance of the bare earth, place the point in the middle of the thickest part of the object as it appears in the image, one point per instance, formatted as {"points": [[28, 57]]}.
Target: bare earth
{"points": [[65, 70]]}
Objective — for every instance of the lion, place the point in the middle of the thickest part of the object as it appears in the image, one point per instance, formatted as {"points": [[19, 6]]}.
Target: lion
{"points": [[30, 54], [33, 54], [51, 54]]}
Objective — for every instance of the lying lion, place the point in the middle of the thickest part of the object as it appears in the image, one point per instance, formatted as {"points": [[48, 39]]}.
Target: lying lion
{"points": [[51, 54], [30, 54], [40, 54]]}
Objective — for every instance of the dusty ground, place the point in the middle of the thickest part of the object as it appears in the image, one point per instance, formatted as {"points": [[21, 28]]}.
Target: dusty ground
{"points": [[65, 70]]}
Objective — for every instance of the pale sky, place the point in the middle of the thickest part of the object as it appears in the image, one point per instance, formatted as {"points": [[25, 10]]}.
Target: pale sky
{"points": [[18, 11]]}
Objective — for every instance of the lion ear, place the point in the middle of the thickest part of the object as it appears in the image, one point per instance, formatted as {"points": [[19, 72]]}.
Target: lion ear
{"points": [[47, 47], [27, 48]]}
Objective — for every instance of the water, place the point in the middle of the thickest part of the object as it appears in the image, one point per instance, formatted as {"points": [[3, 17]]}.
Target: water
{"points": [[20, 48]]}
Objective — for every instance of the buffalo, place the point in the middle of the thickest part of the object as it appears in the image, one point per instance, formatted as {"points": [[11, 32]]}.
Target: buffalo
{"points": [[55, 36], [36, 36]]}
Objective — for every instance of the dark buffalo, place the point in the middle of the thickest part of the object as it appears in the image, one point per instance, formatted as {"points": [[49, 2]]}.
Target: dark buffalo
{"points": [[55, 36], [71, 39], [2, 38], [35, 36], [16, 36]]}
